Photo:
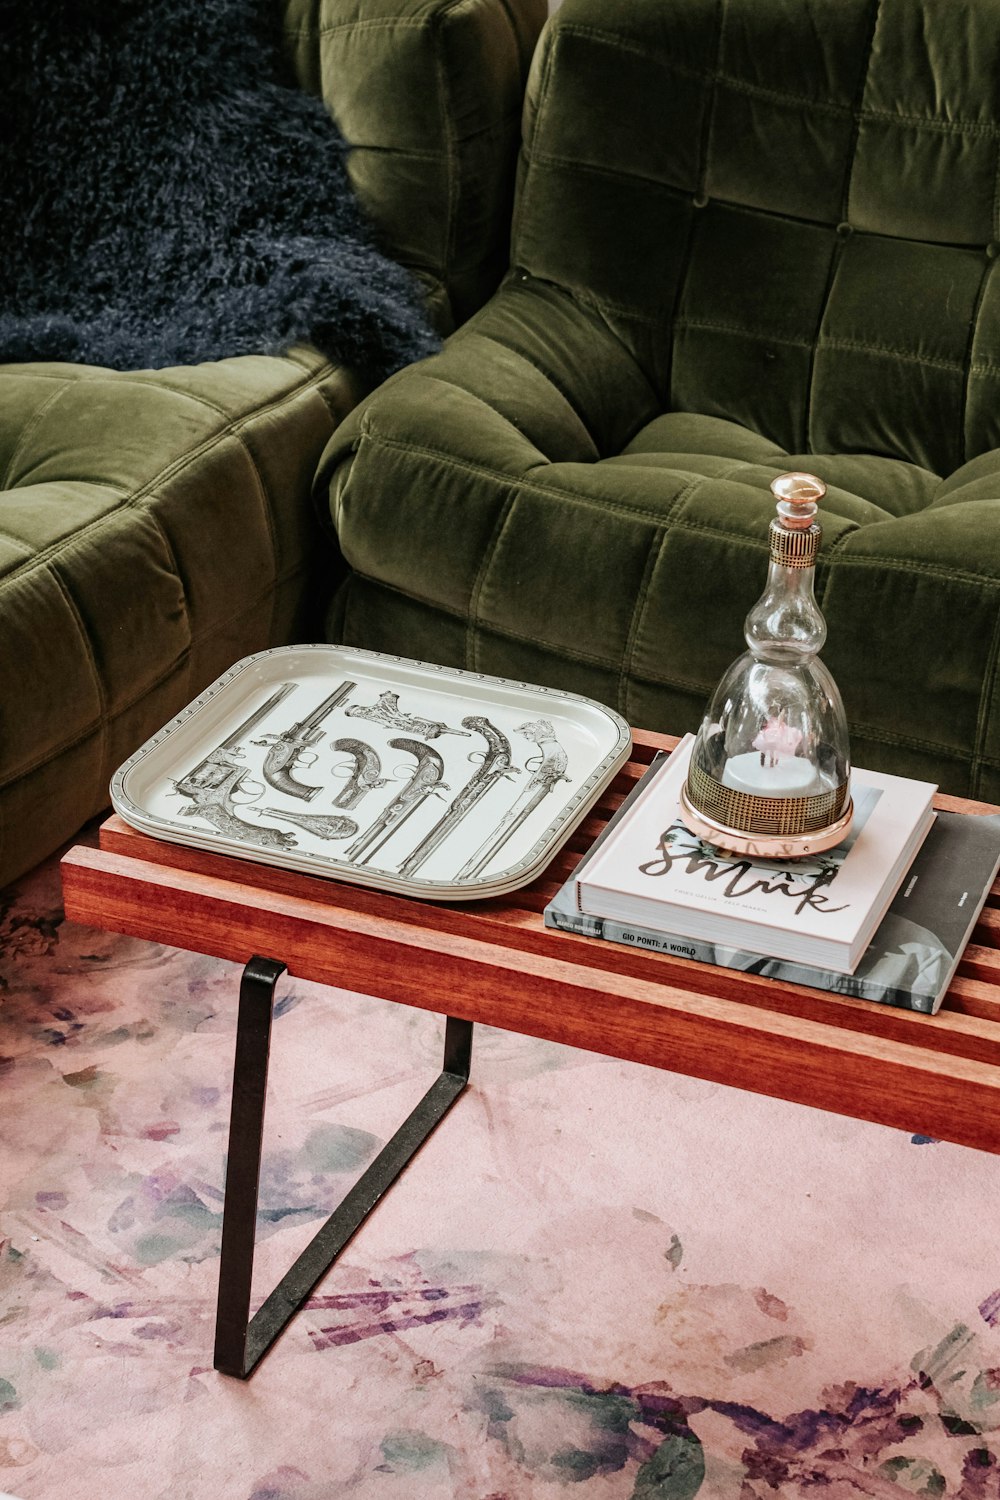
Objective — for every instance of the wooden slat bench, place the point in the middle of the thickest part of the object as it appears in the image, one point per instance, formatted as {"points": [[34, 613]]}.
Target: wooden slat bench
{"points": [[495, 962]]}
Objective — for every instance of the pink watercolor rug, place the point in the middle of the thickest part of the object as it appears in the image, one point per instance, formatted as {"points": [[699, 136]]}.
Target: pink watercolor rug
{"points": [[596, 1280]]}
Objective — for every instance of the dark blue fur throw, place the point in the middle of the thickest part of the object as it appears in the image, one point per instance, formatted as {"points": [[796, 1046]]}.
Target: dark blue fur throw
{"points": [[168, 195]]}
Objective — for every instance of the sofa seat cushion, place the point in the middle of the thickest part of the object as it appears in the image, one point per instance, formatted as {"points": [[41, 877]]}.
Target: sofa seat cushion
{"points": [[152, 531], [861, 487], [518, 505]]}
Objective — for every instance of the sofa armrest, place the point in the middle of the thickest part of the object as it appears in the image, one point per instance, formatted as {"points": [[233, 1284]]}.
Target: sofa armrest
{"points": [[533, 379], [913, 609], [421, 479], [428, 95]]}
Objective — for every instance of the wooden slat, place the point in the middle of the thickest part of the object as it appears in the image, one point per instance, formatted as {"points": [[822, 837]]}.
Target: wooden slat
{"points": [[967, 1027], [495, 961], [980, 963], [970, 1028], [646, 743], [708, 1036]]}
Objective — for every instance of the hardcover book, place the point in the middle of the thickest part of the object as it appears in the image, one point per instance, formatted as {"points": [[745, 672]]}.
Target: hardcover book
{"points": [[822, 910], [914, 953]]}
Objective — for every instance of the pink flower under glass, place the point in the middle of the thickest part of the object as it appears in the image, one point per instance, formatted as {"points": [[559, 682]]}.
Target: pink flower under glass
{"points": [[776, 740]]}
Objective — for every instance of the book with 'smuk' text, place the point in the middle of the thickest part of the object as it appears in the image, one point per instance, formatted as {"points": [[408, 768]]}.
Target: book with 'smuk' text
{"points": [[914, 953], [651, 871]]}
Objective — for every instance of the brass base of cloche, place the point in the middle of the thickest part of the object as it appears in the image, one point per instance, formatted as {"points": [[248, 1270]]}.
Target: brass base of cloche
{"points": [[765, 846]]}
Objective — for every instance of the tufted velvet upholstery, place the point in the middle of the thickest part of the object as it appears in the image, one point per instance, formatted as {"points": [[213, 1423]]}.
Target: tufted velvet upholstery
{"points": [[155, 526], [747, 238], [151, 532]]}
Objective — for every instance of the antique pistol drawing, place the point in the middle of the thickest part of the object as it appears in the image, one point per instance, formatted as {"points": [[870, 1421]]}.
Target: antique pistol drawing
{"points": [[292, 746], [496, 765], [551, 768], [366, 775], [213, 782], [386, 710], [320, 824], [425, 779]]}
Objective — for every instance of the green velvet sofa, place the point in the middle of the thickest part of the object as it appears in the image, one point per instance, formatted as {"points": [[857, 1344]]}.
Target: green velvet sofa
{"points": [[157, 525], [747, 238]]}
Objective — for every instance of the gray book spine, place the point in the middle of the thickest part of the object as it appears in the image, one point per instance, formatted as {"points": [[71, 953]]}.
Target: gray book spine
{"points": [[650, 941]]}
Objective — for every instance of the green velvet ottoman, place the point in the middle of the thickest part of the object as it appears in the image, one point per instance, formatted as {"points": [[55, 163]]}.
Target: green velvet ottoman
{"points": [[152, 531], [747, 238]]}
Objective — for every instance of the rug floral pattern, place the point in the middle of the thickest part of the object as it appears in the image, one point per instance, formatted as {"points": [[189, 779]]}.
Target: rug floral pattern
{"points": [[595, 1281]]}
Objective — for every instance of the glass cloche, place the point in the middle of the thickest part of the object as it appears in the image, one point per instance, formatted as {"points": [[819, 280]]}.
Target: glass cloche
{"points": [[770, 767]]}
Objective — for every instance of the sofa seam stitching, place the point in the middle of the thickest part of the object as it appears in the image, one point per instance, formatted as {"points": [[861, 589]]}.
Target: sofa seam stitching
{"points": [[638, 610], [949, 575], [824, 571], [958, 127], [530, 151], [986, 695], [707, 132], [102, 696], [662, 526], [147, 510], [437, 36], [698, 75], [326, 398], [419, 153], [370, 23], [570, 651], [857, 103], [550, 378], [887, 737], [762, 335], [963, 412], [860, 346], [832, 270], [29, 430], [490, 552], [700, 527], [525, 482], [92, 484], [646, 180], [265, 499], [123, 377], [8, 536]]}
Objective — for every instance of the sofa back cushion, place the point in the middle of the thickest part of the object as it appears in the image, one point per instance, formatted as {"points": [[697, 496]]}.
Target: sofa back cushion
{"points": [[787, 209], [429, 98]]}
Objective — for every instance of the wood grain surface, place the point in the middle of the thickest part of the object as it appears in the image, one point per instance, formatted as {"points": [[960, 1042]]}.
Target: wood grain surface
{"points": [[495, 962]]}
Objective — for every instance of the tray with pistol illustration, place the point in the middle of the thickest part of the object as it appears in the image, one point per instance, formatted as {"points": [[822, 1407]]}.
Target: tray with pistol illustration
{"points": [[403, 775]]}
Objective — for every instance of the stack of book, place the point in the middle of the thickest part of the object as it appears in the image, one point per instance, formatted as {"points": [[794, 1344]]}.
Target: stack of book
{"points": [[884, 916]]}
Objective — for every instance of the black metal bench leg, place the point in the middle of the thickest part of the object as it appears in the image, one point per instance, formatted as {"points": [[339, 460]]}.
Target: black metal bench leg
{"points": [[242, 1341]]}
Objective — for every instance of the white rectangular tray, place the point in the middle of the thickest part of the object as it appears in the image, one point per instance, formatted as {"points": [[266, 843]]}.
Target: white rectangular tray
{"points": [[403, 775]]}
